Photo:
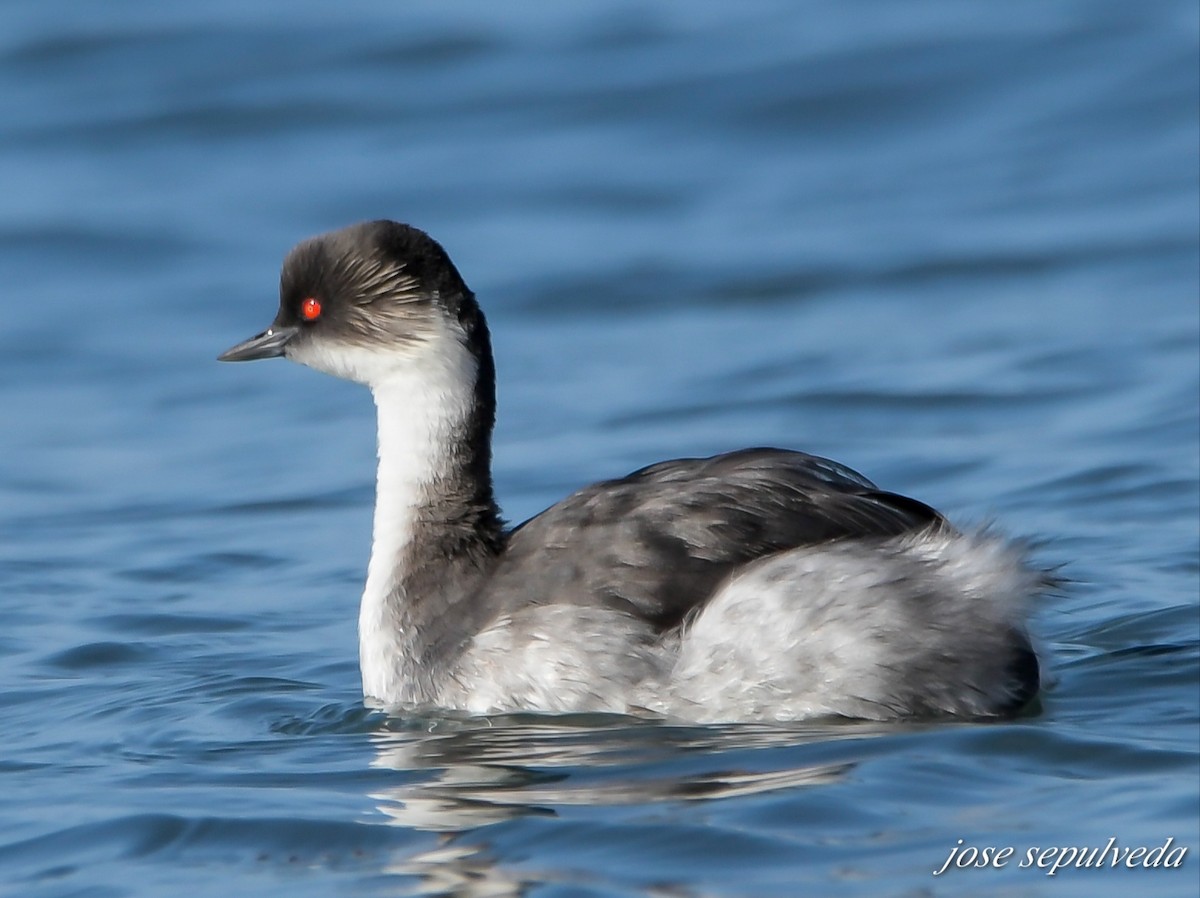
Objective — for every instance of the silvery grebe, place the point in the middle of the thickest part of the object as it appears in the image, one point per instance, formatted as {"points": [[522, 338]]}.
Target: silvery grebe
{"points": [[755, 585]]}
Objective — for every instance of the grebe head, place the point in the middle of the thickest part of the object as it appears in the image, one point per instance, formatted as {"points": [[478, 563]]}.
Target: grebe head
{"points": [[370, 302]]}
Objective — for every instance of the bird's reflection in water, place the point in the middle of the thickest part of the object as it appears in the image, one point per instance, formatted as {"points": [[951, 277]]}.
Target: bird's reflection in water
{"points": [[474, 772]]}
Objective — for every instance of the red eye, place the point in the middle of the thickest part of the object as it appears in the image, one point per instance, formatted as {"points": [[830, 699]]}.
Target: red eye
{"points": [[310, 309]]}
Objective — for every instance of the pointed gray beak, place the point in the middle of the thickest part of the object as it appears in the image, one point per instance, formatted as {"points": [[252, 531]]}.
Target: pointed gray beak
{"points": [[267, 345]]}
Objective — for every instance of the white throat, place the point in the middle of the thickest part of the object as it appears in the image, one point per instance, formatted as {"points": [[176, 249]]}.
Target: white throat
{"points": [[423, 396]]}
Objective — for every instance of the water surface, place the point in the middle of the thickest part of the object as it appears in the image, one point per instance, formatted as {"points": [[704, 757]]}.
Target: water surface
{"points": [[953, 246]]}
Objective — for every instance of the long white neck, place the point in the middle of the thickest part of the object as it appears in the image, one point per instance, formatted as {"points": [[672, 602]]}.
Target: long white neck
{"points": [[424, 409]]}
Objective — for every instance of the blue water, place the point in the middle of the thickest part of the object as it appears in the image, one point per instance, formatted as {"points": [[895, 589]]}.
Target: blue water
{"points": [[952, 245]]}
